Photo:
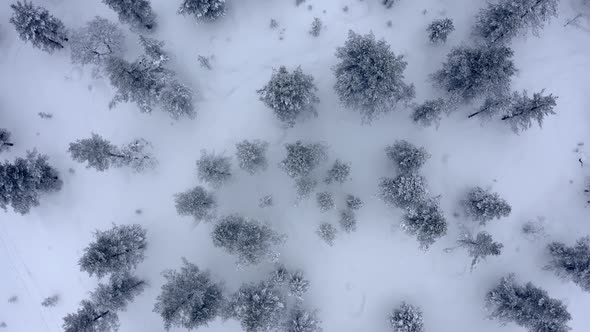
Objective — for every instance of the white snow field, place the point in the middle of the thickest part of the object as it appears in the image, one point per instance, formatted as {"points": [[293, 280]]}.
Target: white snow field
{"points": [[355, 283]]}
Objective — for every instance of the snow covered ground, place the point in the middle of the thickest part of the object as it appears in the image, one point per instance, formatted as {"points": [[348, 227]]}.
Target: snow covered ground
{"points": [[355, 283]]}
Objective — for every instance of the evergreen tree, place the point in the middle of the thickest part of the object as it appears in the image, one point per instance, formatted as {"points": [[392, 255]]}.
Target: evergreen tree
{"points": [[154, 51], [291, 95], [36, 25], [327, 232], [22, 182], [259, 307], [5, 141], [137, 13], [214, 169], [353, 202], [203, 10], [429, 113], [527, 306], [251, 155], [305, 186], [369, 76], [480, 247], [474, 72], [501, 21], [316, 27], [249, 239], [118, 293], [439, 30], [196, 202], [116, 250], [406, 156], [91, 318], [339, 172], [99, 39], [325, 201], [279, 275], [404, 190], [483, 205], [347, 220], [572, 262], [407, 318], [491, 106], [298, 285], [190, 298], [426, 221], [523, 110], [302, 158], [301, 320]]}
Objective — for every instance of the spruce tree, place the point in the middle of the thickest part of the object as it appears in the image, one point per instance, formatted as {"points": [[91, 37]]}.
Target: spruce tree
{"points": [[407, 318], [439, 30], [259, 307], [119, 292], [137, 13], [91, 318], [429, 113], [36, 25], [523, 110], [571, 262], [480, 246], [327, 232], [213, 169], [347, 220], [426, 222], [302, 320], [96, 41], [339, 172], [203, 10], [325, 201], [196, 202], [302, 158], [251, 155], [298, 285], [403, 191], [483, 205], [406, 156]]}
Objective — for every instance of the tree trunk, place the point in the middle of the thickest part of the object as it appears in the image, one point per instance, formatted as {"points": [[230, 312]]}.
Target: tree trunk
{"points": [[101, 315]]}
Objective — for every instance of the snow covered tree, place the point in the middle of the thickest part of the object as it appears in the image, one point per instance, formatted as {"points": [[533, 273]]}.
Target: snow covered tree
{"points": [[483, 205], [100, 154], [196, 202], [491, 106], [325, 201], [190, 298], [439, 30], [305, 186], [571, 262], [302, 158], [316, 27], [137, 13], [213, 169], [407, 318], [116, 250], [298, 285], [91, 318], [291, 95], [404, 190], [279, 275], [426, 222], [99, 39], [528, 306], [177, 100], [22, 182], [301, 320], [203, 10], [118, 293], [389, 3], [339, 172], [327, 232], [249, 239], [369, 76], [473, 72], [480, 247], [501, 21], [347, 220], [154, 51], [36, 25], [429, 113], [406, 156], [523, 110], [259, 307], [353, 202], [5, 141], [251, 155]]}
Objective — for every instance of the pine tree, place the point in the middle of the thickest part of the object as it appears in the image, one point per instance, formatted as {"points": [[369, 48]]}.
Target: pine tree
{"points": [[523, 110], [407, 318], [480, 247], [327, 232], [298, 285], [528, 306], [251, 155], [154, 51], [369, 76], [22, 182], [196, 202], [429, 113], [426, 221], [302, 158], [99, 39], [259, 307], [353, 202], [116, 250], [249, 239], [439, 30], [36, 25], [291, 95], [347, 220], [406, 156], [301, 320], [403, 191], [339, 172], [214, 170], [483, 205], [119, 292], [203, 10], [316, 27], [571, 262], [137, 13], [190, 298], [474, 72], [491, 106], [501, 21], [279, 275], [91, 318], [325, 201], [5, 141]]}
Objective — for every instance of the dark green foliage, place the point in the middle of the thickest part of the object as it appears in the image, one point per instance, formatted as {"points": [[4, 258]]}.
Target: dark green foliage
{"points": [[36, 25]]}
